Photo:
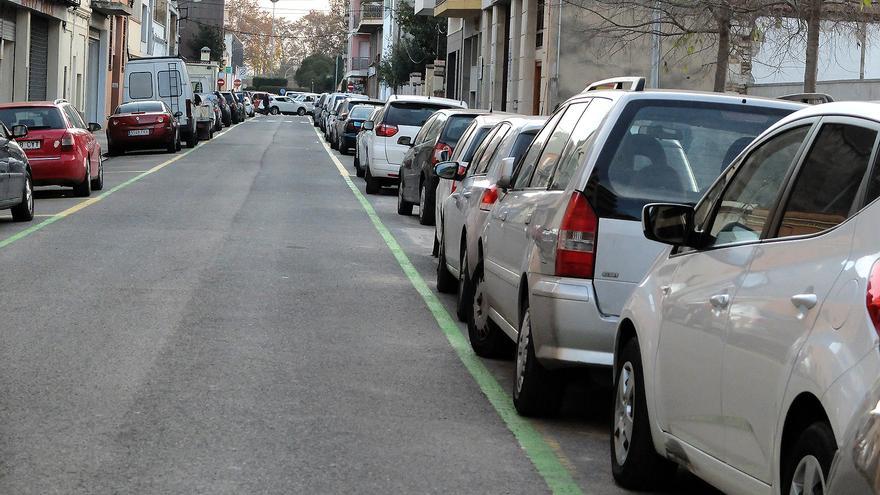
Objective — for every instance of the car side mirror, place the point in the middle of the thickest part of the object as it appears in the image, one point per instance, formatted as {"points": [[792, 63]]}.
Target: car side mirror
{"points": [[448, 170], [669, 223], [93, 127], [368, 125], [503, 183], [178, 114], [507, 165], [404, 140], [19, 131]]}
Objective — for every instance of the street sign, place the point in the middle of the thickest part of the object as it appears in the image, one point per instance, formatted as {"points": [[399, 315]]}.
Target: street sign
{"points": [[282, 91], [228, 69], [236, 83], [220, 82], [350, 87]]}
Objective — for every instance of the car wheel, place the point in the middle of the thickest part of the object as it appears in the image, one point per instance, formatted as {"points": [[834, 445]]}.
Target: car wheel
{"points": [[179, 145], [357, 167], [805, 468], [426, 206], [372, 183], [487, 340], [24, 211], [464, 289], [446, 283], [635, 463], [404, 207], [537, 391], [333, 144], [114, 150], [274, 111], [98, 182], [172, 146], [300, 111], [84, 188]]}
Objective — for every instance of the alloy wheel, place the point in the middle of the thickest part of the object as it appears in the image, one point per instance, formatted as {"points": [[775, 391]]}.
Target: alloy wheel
{"points": [[522, 351], [422, 201], [623, 412], [481, 310], [29, 193], [808, 478]]}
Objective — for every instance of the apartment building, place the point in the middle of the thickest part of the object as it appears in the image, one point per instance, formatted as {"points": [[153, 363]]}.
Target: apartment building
{"points": [[198, 13], [364, 46]]}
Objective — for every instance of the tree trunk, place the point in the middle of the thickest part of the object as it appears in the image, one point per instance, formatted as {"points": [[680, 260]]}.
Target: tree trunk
{"points": [[722, 59], [811, 69]]}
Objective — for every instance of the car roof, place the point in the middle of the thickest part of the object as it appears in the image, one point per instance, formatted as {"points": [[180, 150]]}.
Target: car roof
{"points": [[862, 109], [526, 122], [426, 99], [697, 96], [462, 111], [25, 104]]}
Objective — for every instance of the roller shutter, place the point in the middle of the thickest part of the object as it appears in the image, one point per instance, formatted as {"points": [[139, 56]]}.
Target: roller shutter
{"points": [[7, 23], [38, 75]]}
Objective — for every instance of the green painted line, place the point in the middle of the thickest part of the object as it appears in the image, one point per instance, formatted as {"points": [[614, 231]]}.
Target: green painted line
{"points": [[543, 456]]}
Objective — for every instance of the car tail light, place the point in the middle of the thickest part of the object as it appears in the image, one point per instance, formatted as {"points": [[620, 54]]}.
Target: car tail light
{"points": [[489, 197], [437, 154], [460, 173], [67, 142], [386, 130], [872, 298], [576, 243]]}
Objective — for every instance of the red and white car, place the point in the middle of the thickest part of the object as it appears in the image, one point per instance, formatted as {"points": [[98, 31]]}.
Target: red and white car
{"points": [[60, 146]]}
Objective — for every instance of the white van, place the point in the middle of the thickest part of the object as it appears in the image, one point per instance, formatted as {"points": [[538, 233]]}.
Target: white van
{"points": [[202, 76], [164, 79]]}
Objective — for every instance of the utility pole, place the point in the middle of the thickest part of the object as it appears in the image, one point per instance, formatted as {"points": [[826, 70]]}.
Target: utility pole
{"points": [[335, 71], [273, 33], [655, 45]]}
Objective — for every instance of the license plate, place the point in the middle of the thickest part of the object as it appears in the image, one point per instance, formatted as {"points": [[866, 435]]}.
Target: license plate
{"points": [[139, 132], [30, 145], [357, 124]]}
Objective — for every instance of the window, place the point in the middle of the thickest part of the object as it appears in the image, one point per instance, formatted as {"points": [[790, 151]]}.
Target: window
{"points": [[745, 206], [522, 144], [481, 166], [580, 142], [454, 128], [74, 117], [479, 134], [160, 11], [560, 137], [36, 118], [526, 166], [423, 133], [140, 85], [169, 83], [828, 182], [413, 114], [145, 23]]}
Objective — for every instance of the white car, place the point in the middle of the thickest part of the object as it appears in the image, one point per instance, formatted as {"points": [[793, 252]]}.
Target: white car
{"points": [[305, 103], [402, 116], [753, 340], [363, 137], [249, 107], [464, 212], [282, 104]]}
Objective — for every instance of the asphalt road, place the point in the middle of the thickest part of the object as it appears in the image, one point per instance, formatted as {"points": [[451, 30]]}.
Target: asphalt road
{"points": [[229, 320]]}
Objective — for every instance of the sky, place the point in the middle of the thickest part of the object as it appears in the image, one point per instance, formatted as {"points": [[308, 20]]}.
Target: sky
{"points": [[294, 9]]}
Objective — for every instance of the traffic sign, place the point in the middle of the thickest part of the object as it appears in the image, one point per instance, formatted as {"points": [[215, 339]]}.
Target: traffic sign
{"points": [[236, 83], [350, 87], [220, 82]]}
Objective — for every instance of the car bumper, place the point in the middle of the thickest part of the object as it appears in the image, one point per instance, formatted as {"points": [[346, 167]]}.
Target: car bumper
{"points": [[349, 139], [382, 169], [567, 325], [159, 136], [61, 171]]}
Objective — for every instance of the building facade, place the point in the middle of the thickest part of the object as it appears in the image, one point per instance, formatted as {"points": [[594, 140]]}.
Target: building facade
{"points": [[198, 14]]}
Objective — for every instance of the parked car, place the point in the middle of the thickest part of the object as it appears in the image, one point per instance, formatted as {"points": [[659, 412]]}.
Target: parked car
{"points": [[465, 211], [249, 107], [759, 320], [462, 154], [142, 125], [166, 79], [319, 106], [61, 148], [205, 117], [329, 108], [401, 117], [336, 106], [282, 105], [235, 108], [856, 466], [363, 136], [225, 109], [214, 100], [341, 133], [578, 192], [433, 144], [16, 184], [306, 103]]}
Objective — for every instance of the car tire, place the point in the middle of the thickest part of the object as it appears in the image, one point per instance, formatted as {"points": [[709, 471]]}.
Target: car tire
{"points": [[358, 170], [84, 188], [113, 150], [635, 463], [464, 289], [179, 145], [98, 182], [446, 283], [24, 211], [426, 206], [809, 460], [487, 340], [274, 111], [404, 207], [537, 391], [193, 139], [372, 184], [172, 146], [333, 144], [300, 111]]}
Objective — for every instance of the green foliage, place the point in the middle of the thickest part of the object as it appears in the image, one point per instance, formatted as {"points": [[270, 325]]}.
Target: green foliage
{"points": [[318, 70], [270, 81], [406, 57], [423, 42], [211, 37]]}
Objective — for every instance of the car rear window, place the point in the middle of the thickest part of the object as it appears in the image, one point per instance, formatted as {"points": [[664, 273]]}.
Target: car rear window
{"points": [[360, 112], [227, 97], [522, 143], [670, 151], [36, 118], [455, 127], [414, 114], [143, 106], [479, 134]]}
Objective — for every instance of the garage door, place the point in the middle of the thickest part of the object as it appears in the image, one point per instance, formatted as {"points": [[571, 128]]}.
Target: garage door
{"points": [[38, 75], [7, 23]]}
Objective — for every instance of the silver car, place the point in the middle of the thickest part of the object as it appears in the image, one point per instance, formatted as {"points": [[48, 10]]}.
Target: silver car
{"points": [[563, 247]]}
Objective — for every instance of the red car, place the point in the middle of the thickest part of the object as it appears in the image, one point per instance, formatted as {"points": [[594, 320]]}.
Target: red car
{"points": [[143, 125], [59, 145]]}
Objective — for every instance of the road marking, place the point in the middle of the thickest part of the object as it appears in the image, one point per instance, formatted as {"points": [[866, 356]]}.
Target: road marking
{"points": [[125, 171], [542, 454], [94, 199]]}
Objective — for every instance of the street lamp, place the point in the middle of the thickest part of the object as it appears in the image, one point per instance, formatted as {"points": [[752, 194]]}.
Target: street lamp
{"points": [[273, 32]]}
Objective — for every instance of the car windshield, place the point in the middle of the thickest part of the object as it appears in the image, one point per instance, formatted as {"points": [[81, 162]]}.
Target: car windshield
{"points": [[35, 118], [360, 112], [671, 151], [455, 127], [142, 106], [413, 114]]}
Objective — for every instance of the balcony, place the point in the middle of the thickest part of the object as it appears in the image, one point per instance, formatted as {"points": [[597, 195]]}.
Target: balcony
{"points": [[457, 8], [424, 7], [113, 7], [360, 63], [369, 18]]}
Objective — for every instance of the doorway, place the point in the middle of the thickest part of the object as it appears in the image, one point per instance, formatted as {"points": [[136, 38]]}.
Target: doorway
{"points": [[93, 75]]}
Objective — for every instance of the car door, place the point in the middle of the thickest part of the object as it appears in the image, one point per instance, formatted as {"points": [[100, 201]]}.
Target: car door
{"points": [[6, 155], [696, 307], [791, 275], [529, 193], [408, 170]]}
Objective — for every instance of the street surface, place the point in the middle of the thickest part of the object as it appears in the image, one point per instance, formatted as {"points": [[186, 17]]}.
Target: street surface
{"points": [[232, 321]]}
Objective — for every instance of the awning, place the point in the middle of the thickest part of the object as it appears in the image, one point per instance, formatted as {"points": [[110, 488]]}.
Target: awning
{"points": [[110, 7]]}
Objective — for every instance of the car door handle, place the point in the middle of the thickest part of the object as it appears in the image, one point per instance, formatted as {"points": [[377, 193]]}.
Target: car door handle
{"points": [[528, 218], [720, 300], [807, 301], [466, 194]]}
